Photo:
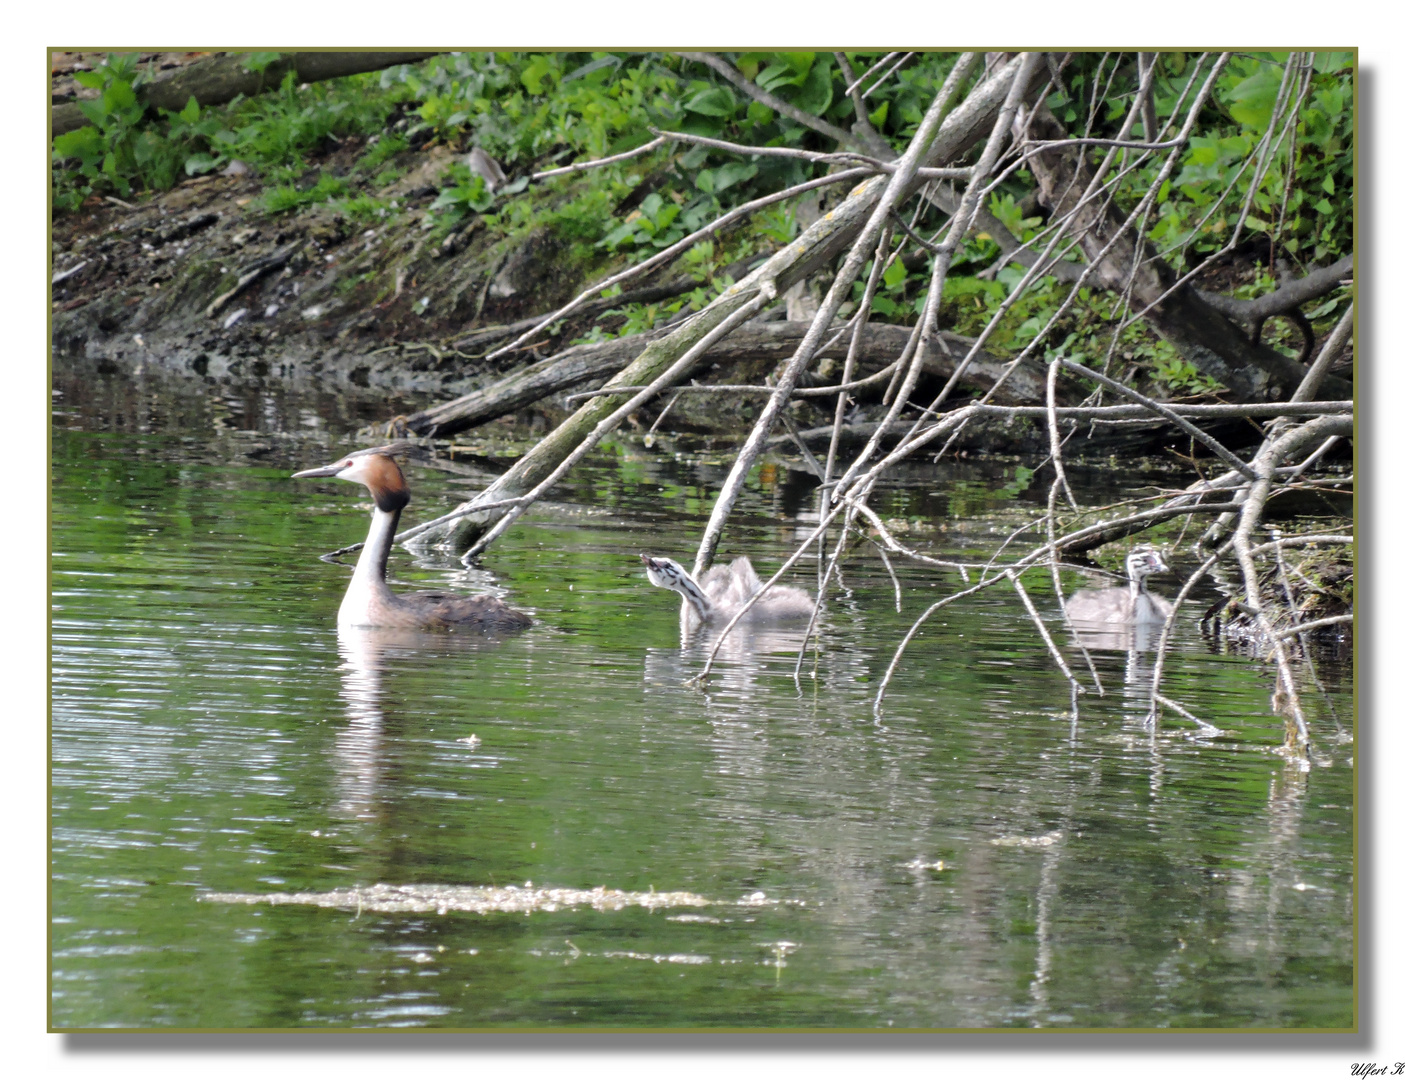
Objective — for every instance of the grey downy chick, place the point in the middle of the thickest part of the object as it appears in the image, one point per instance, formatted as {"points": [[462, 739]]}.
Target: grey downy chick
{"points": [[723, 591], [1129, 604]]}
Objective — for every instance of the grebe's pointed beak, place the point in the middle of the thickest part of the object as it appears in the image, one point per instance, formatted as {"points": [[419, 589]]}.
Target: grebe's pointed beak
{"points": [[324, 470]]}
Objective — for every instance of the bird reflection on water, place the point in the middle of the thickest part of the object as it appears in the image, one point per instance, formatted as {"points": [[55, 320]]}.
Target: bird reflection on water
{"points": [[367, 653]]}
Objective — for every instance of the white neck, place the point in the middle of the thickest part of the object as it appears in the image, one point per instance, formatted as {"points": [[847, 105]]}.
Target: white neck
{"points": [[368, 582], [691, 593]]}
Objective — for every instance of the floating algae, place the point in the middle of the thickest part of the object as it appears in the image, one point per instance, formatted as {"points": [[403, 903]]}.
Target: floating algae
{"points": [[479, 899]]}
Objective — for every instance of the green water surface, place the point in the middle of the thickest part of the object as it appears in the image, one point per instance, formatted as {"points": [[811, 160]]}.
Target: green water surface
{"points": [[974, 858]]}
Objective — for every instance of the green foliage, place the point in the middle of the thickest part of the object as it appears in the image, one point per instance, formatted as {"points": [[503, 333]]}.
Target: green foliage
{"points": [[116, 150], [287, 197], [523, 105], [128, 150], [386, 147], [364, 209], [468, 192]]}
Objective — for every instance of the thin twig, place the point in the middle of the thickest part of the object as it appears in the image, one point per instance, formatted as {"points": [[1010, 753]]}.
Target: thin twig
{"points": [[581, 166], [1043, 630], [839, 157], [1315, 624], [912, 633]]}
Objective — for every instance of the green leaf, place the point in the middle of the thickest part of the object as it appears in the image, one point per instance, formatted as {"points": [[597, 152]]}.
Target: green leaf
{"points": [[1011, 276], [778, 75], [895, 275], [191, 112], [95, 111], [85, 143], [717, 101], [1323, 207], [1327, 62], [119, 95], [733, 172], [473, 195], [1252, 100], [879, 115], [534, 74], [1324, 309], [91, 79], [759, 114], [800, 63], [817, 92], [258, 61]]}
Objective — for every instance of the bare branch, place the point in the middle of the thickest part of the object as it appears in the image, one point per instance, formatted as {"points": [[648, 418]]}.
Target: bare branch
{"points": [[862, 122], [610, 422], [841, 157], [582, 166]]}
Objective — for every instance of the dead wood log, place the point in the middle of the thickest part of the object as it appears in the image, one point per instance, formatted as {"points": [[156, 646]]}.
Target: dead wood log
{"points": [[1203, 335], [882, 344], [221, 79], [1288, 296]]}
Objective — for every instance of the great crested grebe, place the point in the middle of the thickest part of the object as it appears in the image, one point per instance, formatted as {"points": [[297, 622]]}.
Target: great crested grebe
{"points": [[1130, 604], [724, 589], [368, 600]]}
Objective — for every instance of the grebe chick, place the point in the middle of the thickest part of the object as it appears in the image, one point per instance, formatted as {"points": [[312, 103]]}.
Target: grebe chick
{"points": [[724, 589], [1129, 604], [368, 600]]}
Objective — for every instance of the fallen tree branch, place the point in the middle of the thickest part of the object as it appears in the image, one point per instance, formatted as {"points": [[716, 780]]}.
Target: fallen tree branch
{"points": [[608, 424], [1286, 297], [816, 246], [579, 364]]}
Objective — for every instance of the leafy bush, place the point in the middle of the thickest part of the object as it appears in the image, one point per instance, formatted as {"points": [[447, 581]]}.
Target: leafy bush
{"points": [[126, 150]]}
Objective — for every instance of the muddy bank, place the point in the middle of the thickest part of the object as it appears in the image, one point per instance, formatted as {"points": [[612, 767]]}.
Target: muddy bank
{"points": [[201, 281]]}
